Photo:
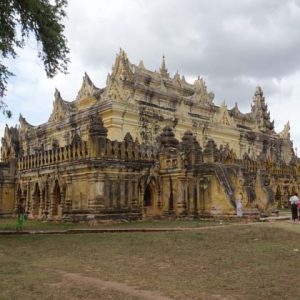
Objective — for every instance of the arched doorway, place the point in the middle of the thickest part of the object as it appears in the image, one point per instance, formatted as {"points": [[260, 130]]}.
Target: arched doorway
{"points": [[56, 198], [36, 200], [278, 197], [19, 195], [148, 197]]}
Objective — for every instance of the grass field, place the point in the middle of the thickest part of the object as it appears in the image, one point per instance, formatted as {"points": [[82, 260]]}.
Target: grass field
{"points": [[255, 261], [10, 224]]}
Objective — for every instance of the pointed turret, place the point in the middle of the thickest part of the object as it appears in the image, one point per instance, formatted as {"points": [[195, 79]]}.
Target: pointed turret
{"points": [[163, 70], [97, 136], [167, 138], [191, 148]]}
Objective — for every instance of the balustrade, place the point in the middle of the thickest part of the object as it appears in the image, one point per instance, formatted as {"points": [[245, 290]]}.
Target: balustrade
{"points": [[58, 155]]}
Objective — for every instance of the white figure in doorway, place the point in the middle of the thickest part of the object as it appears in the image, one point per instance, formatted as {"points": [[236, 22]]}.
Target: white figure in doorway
{"points": [[239, 206]]}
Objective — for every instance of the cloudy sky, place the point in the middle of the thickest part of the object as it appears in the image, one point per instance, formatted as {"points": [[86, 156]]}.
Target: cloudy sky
{"points": [[234, 45]]}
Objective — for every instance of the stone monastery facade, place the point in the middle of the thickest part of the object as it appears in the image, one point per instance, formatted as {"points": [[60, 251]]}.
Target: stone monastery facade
{"points": [[146, 144]]}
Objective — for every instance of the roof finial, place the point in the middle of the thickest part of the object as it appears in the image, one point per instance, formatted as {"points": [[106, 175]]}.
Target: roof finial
{"points": [[163, 70], [163, 64], [57, 95]]}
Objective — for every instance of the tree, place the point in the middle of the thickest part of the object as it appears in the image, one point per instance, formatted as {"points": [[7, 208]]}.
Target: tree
{"points": [[42, 18]]}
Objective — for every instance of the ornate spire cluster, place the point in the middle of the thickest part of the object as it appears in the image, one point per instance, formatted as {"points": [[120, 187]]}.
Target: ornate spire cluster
{"points": [[260, 113], [201, 94]]}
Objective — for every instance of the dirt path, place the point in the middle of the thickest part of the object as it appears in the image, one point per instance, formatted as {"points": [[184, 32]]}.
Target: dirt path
{"points": [[97, 283], [144, 229]]}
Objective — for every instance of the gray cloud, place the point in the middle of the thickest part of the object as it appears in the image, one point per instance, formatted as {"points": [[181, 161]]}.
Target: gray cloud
{"points": [[234, 45]]}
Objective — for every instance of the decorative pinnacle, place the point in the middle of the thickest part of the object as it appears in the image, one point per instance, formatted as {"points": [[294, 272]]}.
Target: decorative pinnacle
{"points": [[163, 64], [163, 70], [57, 95]]}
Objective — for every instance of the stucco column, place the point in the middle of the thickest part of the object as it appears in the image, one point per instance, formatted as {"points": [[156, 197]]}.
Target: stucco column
{"points": [[42, 203], [191, 196], [127, 195], [180, 196], [61, 205], [47, 200], [140, 195], [51, 203], [185, 199], [135, 200], [122, 193], [198, 197], [29, 199]]}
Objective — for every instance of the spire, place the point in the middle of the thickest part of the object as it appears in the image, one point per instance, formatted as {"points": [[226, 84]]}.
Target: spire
{"points": [[87, 89], [57, 95], [141, 65], [235, 110], [59, 107], [223, 104], [23, 122], [122, 69], [259, 99], [163, 70], [86, 79], [176, 76], [285, 133], [201, 95], [260, 113]]}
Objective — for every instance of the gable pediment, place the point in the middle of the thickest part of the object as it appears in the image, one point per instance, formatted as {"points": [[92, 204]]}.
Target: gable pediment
{"points": [[223, 118]]}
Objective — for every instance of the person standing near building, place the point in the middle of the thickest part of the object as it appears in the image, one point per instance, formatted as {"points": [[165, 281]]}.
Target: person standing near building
{"points": [[239, 206], [294, 200], [21, 216]]}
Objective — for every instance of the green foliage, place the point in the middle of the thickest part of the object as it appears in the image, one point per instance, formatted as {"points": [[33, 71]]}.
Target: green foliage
{"points": [[43, 19]]}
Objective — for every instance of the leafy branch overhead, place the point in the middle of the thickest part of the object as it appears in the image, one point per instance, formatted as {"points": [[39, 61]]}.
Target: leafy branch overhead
{"points": [[43, 19]]}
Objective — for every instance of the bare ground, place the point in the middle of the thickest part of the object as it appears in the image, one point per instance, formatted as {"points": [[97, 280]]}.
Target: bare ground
{"points": [[214, 263]]}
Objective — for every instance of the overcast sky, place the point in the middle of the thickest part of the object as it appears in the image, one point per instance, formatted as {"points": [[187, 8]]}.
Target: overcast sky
{"points": [[235, 45]]}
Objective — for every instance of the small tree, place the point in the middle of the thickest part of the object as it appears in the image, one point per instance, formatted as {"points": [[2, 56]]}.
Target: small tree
{"points": [[43, 18]]}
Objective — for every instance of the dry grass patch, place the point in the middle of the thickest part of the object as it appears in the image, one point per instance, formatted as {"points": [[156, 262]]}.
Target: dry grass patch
{"points": [[232, 262]]}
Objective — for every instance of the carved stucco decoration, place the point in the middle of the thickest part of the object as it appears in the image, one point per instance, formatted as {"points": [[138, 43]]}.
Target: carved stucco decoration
{"points": [[88, 93], [223, 118], [285, 133], [201, 95], [122, 69], [142, 102], [61, 108]]}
